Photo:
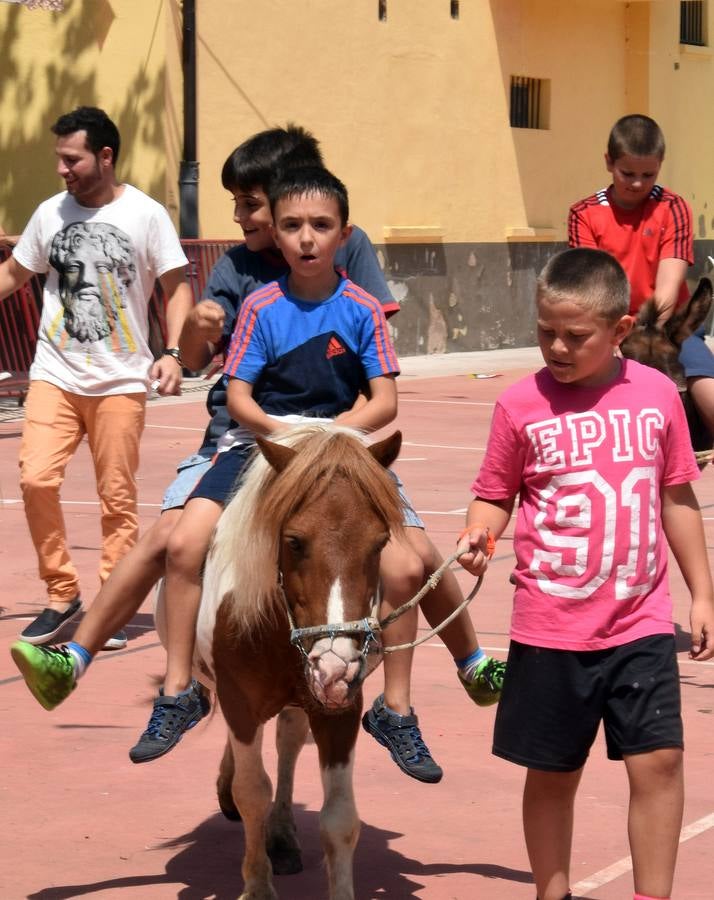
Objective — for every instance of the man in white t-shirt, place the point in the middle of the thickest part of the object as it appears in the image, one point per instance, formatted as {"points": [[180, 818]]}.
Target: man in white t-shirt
{"points": [[102, 244]]}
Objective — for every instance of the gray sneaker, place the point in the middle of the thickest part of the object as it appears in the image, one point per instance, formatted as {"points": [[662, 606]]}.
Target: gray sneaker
{"points": [[171, 717], [402, 737]]}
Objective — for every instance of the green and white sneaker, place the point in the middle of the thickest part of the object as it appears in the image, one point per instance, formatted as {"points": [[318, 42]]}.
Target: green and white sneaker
{"points": [[486, 683], [48, 672]]}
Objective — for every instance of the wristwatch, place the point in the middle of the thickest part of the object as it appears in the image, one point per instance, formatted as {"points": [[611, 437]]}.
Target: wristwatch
{"points": [[173, 351]]}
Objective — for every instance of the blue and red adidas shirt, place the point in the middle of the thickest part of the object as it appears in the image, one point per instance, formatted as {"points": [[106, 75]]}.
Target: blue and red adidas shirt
{"points": [[308, 358]]}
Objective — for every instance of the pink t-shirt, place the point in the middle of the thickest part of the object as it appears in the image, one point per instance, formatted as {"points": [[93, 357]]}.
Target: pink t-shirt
{"points": [[589, 463]]}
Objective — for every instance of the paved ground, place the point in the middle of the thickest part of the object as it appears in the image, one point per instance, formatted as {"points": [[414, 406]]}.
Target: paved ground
{"points": [[81, 820]]}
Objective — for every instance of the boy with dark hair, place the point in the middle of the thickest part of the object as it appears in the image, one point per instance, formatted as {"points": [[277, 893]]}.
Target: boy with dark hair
{"points": [[596, 449], [648, 229], [52, 675], [256, 161], [304, 347]]}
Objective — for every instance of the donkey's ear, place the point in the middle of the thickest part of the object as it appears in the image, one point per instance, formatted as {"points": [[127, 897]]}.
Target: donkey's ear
{"points": [[278, 455], [386, 451], [686, 322]]}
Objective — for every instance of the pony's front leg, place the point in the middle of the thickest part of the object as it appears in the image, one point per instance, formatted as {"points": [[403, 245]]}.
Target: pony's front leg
{"points": [[335, 737], [252, 792], [283, 846]]}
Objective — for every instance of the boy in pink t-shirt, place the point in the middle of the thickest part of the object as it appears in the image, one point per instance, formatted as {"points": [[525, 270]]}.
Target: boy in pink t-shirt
{"points": [[597, 449]]}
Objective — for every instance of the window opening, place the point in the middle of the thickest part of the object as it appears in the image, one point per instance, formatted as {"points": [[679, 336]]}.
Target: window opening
{"points": [[691, 23], [529, 102]]}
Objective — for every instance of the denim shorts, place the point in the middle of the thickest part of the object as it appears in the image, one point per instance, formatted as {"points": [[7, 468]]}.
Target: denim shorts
{"points": [[410, 517], [192, 469], [696, 357], [188, 473]]}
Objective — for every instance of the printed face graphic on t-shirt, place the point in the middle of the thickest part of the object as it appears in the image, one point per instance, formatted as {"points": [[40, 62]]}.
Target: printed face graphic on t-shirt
{"points": [[95, 262]]}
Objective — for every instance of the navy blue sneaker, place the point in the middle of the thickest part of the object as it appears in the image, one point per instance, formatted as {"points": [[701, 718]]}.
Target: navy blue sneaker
{"points": [[171, 717], [402, 737]]}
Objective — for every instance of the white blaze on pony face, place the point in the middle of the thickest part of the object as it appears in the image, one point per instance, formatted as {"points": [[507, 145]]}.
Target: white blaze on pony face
{"points": [[335, 662]]}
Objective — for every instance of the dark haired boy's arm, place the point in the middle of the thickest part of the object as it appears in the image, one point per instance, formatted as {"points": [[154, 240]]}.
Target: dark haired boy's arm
{"points": [[359, 259], [201, 334]]}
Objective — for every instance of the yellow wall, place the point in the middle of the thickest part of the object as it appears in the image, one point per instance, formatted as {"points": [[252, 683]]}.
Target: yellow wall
{"points": [[681, 93], [412, 113], [107, 53]]}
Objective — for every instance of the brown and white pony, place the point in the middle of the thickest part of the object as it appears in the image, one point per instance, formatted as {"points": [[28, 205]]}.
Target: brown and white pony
{"points": [[659, 346], [286, 620]]}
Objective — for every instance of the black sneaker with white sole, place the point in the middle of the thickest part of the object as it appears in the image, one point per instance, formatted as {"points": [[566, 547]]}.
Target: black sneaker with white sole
{"points": [[117, 641], [50, 622]]}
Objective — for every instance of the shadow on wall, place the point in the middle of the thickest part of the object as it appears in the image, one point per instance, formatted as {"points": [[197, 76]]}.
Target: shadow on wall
{"points": [[59, 76]]}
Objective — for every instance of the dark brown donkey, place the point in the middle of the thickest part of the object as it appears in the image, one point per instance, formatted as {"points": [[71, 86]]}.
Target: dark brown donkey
{"points": [[659, 347], [288, 619]]}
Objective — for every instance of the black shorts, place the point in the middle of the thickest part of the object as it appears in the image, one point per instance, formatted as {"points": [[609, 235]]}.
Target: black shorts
{"points": [[222, 480], [554, 700]]}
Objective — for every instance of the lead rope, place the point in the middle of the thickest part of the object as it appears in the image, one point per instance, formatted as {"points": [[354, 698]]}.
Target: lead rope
{"points": [[430, 584], [370, 625]]}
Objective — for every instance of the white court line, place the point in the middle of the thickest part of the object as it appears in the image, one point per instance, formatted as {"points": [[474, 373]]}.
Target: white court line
{"points": [[439, 512], [441, 446], [175, 427], [622, 866], [412, 459], [9, 501], [452, 402]]}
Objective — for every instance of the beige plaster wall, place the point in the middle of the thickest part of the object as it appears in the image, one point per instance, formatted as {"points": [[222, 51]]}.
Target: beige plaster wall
{"points": [[413, 112], [107, 53]]}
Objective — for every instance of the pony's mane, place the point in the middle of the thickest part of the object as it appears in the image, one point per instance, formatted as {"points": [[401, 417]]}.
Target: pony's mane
{"points": [[243, 561]]}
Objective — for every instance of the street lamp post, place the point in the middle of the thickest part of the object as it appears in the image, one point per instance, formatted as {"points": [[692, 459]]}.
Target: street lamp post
{"points": [[188, 172]]}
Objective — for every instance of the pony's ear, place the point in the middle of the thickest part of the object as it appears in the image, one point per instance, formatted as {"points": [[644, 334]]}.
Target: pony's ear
{"points": [[687, 320], [386, 451], [278, 455]]}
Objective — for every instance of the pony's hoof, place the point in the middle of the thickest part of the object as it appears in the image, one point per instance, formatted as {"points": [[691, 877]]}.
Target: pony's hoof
{"points": [[285, 856]]}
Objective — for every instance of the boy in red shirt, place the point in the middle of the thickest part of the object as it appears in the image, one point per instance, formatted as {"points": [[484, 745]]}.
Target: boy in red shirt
{"points": [[648, 229]]}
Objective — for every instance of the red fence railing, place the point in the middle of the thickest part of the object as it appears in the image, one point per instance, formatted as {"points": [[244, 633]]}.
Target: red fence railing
{"points": [[20, 314]]}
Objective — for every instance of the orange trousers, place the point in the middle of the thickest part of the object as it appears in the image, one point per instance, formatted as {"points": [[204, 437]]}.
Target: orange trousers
{"points": [[55, 423]]}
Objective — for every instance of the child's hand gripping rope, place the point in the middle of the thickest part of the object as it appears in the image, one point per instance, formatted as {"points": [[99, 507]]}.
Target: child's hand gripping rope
{"points": [[477, 546]]}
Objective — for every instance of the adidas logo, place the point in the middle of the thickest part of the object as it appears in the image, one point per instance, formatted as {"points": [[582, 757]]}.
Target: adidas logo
{"points": [[334, 348]]}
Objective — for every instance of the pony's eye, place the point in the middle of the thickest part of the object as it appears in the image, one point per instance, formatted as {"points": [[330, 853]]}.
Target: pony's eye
{"points": [[381, 543], [294, 544]]}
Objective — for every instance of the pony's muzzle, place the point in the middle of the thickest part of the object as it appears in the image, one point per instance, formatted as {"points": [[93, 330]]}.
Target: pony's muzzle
{"points": [[335, 668]]}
